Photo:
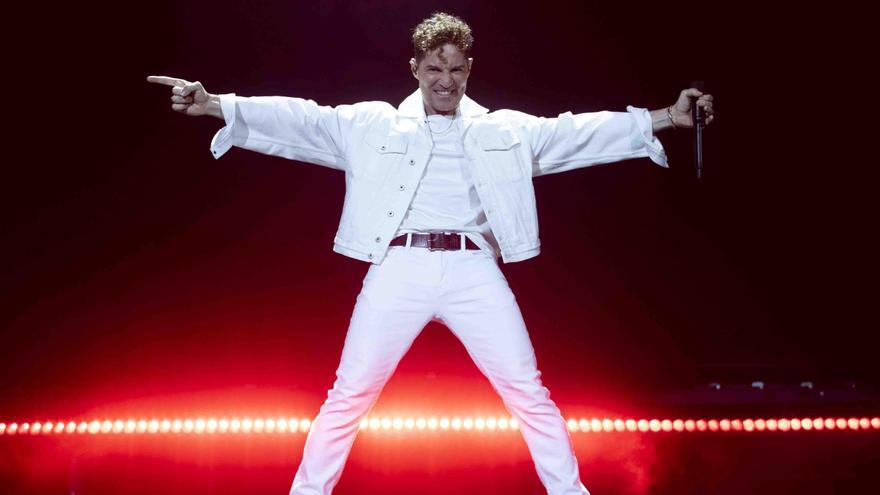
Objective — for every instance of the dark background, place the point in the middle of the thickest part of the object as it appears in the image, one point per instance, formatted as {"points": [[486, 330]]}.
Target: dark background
{"points": [[142, 277]]}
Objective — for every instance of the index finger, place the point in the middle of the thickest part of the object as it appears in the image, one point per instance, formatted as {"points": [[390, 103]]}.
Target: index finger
{"points": [[167, 81]]}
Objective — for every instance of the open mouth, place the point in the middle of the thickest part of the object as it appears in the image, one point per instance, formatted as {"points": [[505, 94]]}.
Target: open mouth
{"points": [[444, 92]]}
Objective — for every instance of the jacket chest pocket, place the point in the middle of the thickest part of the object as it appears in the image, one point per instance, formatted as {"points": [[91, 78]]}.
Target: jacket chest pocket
{"points": [[381, 154], [500, 151]]}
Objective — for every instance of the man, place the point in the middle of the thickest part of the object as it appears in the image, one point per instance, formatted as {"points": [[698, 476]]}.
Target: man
{"points": [[435, 190]]}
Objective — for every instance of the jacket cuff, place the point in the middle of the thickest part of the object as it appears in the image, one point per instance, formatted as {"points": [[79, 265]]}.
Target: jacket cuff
{"points": [[652, 145], [222, 140]]}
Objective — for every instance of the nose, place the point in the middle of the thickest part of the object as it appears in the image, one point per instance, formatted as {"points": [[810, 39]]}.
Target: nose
{"points": [[446, 80]]}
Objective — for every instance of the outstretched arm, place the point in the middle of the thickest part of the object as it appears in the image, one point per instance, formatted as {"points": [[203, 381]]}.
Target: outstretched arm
{"points": [[678, 115], [573, 141], [292, 128], [190, 98]]}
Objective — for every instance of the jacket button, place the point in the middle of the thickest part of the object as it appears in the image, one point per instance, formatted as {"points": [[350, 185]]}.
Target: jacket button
{"points": [[382, 147], [370, 256], [412, 162], [401, 187], [390, 213], [378, 239]]}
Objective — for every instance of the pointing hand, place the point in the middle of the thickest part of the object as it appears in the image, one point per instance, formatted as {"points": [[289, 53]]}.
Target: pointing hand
{"points": [[188, 97]]}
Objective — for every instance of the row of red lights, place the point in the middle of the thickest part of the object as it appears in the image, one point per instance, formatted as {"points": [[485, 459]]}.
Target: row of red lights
{"points": [[200, 425], [294, 425], [724, 425]]}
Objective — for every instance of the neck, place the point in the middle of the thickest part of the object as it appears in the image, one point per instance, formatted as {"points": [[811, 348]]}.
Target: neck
{"points": [[431, 111]]}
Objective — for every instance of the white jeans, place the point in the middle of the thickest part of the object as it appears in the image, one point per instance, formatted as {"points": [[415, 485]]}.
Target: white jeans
{"points": [[467, 292]]}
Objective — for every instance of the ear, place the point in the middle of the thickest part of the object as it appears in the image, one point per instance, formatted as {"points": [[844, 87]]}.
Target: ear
{"points": [[470, 64], [414, 68]]}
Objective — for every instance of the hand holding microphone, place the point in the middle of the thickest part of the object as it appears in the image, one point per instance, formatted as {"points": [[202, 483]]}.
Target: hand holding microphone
{"points": [[694, 110]]}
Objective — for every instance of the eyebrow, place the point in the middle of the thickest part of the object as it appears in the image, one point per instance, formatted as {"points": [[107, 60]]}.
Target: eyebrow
{"points": [[432, 66]]}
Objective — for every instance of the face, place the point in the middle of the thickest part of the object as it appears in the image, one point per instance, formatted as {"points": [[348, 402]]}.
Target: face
{"points": [[442, 77]]}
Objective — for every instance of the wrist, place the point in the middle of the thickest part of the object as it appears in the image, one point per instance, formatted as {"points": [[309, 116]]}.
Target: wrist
{"points": [[671, 117], [213, 108], [662, 118]]}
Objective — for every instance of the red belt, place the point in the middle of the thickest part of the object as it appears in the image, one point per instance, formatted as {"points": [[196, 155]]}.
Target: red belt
{"points": [[435, 241]]}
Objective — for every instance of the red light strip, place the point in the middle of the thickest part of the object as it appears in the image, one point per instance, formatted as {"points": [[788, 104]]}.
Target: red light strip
{"points": [[398, 423]]}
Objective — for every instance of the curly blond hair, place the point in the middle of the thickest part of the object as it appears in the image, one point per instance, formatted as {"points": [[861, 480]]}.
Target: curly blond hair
{"points": [[438, 30]]}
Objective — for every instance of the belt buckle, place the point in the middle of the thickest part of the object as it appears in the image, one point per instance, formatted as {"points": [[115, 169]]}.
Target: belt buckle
{"points": [[435, 238]]}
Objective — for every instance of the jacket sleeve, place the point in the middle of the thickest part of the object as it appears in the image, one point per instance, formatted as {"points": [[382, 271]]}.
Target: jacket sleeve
{"points": [[291, 128], [572, 141]]}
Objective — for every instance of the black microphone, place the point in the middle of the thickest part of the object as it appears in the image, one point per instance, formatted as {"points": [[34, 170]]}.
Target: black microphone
{"points": [[699, 123]]}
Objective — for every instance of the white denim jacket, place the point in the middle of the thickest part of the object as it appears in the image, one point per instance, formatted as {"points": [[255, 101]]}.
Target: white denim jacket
{"points": [[383, 152]]}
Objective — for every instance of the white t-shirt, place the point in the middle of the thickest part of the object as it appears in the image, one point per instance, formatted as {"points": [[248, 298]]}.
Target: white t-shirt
{"points": [[446, 199]]}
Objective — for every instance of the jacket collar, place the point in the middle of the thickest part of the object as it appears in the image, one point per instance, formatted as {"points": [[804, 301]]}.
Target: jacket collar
{"points": [[414, 107]]}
